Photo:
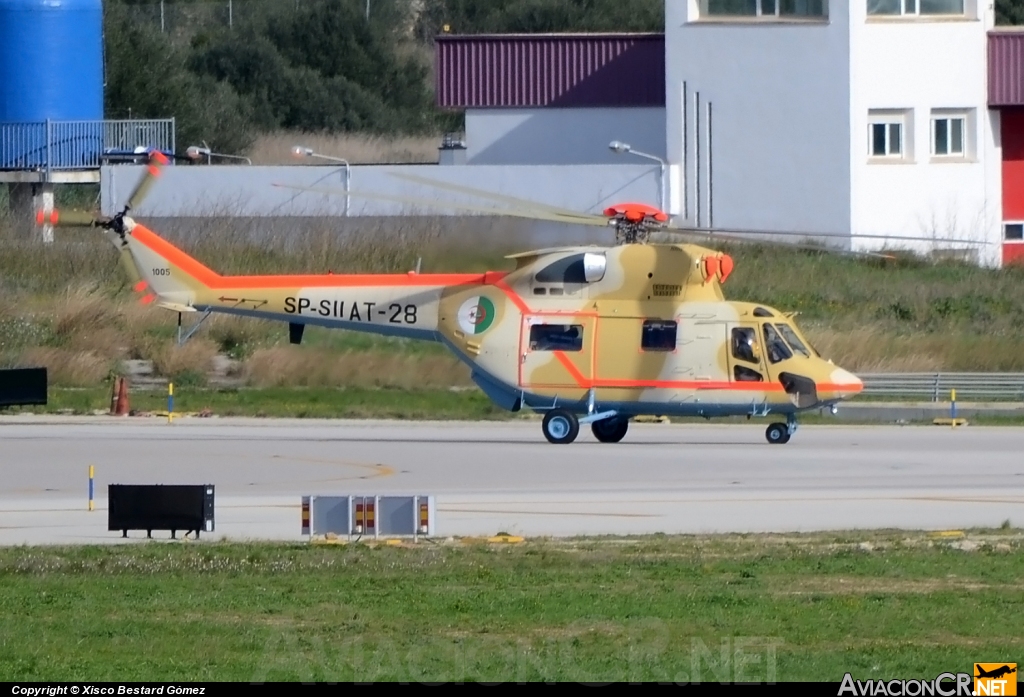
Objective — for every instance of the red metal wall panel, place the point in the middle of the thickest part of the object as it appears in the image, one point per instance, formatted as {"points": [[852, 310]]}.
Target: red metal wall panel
{"points": [[1011, 122], [558, 70], [1012, 136], [1013, 253], [1006, 68]]}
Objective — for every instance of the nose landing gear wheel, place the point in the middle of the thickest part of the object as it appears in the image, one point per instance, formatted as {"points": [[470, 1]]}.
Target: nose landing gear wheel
{"points": [[610, 430], [560, 426], [777, 434]]}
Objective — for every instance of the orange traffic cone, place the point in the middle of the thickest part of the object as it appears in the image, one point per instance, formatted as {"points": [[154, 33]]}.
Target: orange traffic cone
{"points": [[122, 399]]}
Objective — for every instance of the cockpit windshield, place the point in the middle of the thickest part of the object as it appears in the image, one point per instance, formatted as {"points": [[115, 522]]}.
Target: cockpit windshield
{"points": [[792, 339], [775, 346]]}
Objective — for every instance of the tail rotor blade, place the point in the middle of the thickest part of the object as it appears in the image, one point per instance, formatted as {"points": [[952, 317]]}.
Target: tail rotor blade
{"points": [[66, 219], [157, 160], [128, 264]]}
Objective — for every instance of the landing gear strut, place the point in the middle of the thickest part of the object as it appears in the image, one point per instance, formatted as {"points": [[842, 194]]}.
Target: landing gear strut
{"points": [[779, 433]]}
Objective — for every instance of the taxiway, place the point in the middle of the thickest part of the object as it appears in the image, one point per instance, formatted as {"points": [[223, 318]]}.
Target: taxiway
{"points": [[504, 477]]}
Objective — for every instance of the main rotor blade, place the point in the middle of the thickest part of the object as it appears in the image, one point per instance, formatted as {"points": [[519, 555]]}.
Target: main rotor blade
{"points": [[725, 237], [537, 215], [715, 232], [501, 198], [157, 160]]}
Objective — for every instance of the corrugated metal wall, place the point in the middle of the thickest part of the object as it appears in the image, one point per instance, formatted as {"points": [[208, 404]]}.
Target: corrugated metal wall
{"points": [[1006, 68], [558, 70]]}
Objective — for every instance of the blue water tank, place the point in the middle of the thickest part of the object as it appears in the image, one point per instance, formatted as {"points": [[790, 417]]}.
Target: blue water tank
{"points": [[51, 64], [51, 60]]}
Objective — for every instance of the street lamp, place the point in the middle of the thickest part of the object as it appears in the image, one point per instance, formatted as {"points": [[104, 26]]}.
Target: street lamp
{"points": [[619, 147], [194, 152], [300, 151]]}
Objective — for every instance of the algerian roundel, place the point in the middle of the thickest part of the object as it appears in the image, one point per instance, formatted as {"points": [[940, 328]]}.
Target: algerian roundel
{"points": [[476, 315]]}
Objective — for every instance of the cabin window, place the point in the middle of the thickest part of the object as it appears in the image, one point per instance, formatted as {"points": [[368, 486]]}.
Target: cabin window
{"points": [[775, 346], [744, 344], [744, 374], [556, 337], [540, 291], [658, 335], [761, 312], [792, 339]]}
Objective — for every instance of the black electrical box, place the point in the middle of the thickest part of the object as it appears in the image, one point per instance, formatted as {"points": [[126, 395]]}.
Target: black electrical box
{"points": [[152, 507], [22, 386]]}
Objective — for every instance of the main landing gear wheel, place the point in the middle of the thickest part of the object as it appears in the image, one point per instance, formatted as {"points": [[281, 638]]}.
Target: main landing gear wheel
{"points": [[777, 433], [610, 430], [561, 426]]}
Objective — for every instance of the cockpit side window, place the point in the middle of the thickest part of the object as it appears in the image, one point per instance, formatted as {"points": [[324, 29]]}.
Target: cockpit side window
{"points": [[744, 344], [775, 346], [792, 339], [569, 269]]}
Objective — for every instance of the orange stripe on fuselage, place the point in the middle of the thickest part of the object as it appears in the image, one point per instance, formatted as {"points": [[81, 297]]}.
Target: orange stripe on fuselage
{"points": [[211, 279], [513, 296], [582, 381]]}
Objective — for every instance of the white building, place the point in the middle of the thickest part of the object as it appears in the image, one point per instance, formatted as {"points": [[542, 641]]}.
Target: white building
{"points": [[847, 118]]}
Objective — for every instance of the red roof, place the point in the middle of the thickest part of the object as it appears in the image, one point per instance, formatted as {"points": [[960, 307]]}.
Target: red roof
{"points": [[1006, 67], [550, 70]]}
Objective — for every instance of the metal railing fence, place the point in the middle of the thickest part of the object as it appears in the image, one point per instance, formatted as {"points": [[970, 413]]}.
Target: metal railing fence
{"points": [[70, 145], [937, 387]]}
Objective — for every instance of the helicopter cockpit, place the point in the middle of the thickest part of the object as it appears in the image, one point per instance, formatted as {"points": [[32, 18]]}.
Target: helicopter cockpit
{"points": [[770, 349]]}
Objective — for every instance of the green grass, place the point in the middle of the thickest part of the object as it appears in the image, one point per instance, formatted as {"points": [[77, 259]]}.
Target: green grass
{"points": [[358, 403], [686, 609], [355, 403]]}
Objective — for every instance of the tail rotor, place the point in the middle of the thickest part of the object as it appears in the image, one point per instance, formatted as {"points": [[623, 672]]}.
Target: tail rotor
{"points": [[157, 161]]}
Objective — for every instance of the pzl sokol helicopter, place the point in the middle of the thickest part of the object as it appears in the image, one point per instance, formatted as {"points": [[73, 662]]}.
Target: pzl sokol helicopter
{"points": [[584, 335]]}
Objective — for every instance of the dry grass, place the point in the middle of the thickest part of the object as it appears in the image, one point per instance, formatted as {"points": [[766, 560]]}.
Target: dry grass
{"points": [[68, 367], [69, 307], [276, 148], [191, 361], [290, 366]]}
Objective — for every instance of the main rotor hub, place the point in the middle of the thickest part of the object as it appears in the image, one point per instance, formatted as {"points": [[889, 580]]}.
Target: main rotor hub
{"points": [[634, 222]]}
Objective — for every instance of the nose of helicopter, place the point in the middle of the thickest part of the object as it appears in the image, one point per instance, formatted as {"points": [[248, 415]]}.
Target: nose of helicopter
{"points": [[840, 384]]}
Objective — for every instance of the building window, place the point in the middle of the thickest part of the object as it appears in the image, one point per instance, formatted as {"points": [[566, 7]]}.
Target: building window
{"points": [[1013, 232], [886, 139], [658, 335], [948, 136], [556, 337], [915, 7], [768, 9], [887, 129]]}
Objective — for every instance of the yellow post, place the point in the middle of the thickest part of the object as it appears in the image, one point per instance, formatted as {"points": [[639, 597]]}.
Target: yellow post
{"points": [[952, 406], [170, 401], [92, 473]]}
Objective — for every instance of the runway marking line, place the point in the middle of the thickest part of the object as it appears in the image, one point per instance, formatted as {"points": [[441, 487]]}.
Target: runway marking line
{"points": [[378, 470], [562, 513]]}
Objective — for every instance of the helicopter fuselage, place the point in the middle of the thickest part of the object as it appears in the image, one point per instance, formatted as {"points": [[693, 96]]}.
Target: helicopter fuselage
{"points": [[630, 330]]}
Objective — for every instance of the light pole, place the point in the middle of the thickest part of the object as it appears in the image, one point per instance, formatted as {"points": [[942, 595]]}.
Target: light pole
{"points": [[300, 151], [620, 147], [194, 152]]}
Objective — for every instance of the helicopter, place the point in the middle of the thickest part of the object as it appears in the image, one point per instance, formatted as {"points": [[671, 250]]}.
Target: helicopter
{"points": [[585, 335]]}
